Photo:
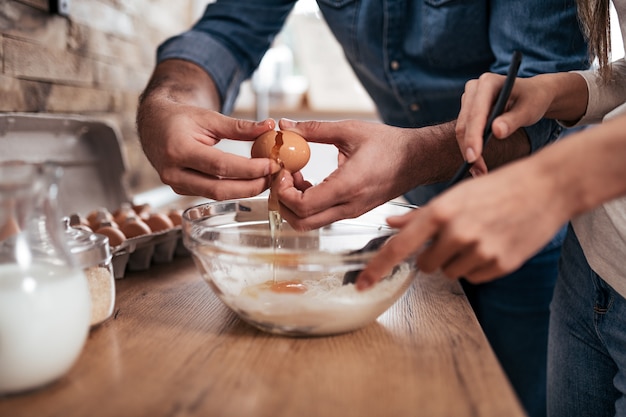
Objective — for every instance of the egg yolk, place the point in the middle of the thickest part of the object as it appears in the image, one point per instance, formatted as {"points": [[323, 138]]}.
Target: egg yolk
{"points": [[292, 287]]}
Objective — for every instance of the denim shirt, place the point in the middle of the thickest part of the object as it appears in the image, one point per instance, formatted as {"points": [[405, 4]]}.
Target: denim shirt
{"points": [[412, 56]]}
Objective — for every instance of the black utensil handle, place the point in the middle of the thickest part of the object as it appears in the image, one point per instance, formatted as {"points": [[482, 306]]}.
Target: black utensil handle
{"points": [[496, 111]]}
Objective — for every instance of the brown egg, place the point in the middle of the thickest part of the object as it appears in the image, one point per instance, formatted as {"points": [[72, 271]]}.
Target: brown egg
{"points": [[287, 148], [158, 222], [98, 216], [115, 235], [142, 210], [134, 226], [176, 216], [123, 212], [9, 228], [77, 220]]}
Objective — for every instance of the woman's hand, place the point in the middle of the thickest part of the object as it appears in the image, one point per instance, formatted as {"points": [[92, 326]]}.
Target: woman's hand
{"points": [[529, 101], [480, 230]]}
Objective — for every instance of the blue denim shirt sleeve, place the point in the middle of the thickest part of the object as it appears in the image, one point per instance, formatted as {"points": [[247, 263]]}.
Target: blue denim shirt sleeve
{"points": [[229, 41], [413, 57], [536, 28]]}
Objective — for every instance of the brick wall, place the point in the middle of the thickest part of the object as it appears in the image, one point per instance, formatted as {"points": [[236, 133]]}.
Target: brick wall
{"points": [[94, 62]]}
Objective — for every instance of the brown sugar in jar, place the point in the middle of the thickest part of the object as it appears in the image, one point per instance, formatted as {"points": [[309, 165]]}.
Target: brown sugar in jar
{"points": [[92, 252]]}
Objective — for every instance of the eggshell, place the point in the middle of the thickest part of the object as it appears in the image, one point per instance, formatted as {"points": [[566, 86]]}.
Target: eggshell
{"points": [[77, 220], [134, 226], [176, 216], [123, 212], [99, 216], [142, 210], [293, 150], [9, 228], [115, 235], [158, 222]]}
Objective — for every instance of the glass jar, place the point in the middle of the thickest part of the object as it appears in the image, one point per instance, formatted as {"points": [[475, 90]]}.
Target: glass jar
{"points": [[44, 298], [92, 252]]}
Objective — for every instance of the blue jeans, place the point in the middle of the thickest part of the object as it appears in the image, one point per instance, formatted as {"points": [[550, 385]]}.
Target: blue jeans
{"points": [[514, 313], [587, 341]]}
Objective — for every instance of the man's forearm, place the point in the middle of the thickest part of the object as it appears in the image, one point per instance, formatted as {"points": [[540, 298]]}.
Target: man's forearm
{"points": [[439, 147], [500, 152], [174, 82], [182, 82]]}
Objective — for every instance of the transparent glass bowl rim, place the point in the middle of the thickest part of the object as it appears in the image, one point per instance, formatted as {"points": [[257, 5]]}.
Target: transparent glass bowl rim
{"points": [[195, 227]]}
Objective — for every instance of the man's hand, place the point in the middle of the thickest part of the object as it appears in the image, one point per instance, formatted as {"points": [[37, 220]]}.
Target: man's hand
{"points": [[376, 163], [179, 124]]}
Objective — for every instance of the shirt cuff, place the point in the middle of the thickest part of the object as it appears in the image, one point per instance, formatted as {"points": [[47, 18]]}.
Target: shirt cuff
{"points": [[542, 133], [586, 118], [201, 49]]}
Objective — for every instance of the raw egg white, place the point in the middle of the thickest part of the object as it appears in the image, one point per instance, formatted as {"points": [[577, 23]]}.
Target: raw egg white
{"points": [[288, 148]]}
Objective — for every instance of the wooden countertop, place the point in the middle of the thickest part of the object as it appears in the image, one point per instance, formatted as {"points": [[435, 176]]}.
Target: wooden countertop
{"points": [[173, 349]]}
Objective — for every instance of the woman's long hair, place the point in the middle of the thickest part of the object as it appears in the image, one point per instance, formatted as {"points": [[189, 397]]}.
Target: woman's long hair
{"points": [[595, 19]]}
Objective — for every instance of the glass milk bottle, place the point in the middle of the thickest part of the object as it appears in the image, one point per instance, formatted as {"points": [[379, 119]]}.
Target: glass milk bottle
{"points": [[44, 299]]}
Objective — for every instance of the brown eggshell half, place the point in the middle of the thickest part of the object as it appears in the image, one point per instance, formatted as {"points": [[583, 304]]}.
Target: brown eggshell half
{"points": [[294, 152]]}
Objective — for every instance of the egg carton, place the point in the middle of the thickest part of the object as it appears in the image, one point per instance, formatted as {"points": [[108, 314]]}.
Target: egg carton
{"points": [[94, 166], [140, 252]]}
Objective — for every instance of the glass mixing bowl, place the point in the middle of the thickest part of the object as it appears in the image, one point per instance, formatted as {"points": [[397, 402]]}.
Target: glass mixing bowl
{"points": [[291, 282]]}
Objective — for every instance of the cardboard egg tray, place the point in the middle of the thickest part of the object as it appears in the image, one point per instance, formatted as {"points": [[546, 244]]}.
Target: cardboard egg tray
{"points": [[139, 253], [93, 165]]}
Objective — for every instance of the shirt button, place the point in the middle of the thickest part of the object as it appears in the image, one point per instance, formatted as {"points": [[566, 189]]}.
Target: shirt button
{"points": [[414, 107], [395, 65]]}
